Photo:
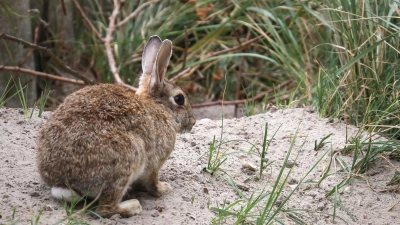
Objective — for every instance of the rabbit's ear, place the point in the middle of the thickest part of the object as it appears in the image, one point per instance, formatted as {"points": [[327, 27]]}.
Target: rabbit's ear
{"points": [[148, 59], [161, 64], [150, 54]]}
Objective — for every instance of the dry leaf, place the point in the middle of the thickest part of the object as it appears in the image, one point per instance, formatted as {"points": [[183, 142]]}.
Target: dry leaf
{"points": [[191, 88], [202, 13], [242, 186], [217, 75]]}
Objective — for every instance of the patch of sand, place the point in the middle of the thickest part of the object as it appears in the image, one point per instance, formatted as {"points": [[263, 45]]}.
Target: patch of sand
{"points": [[194, 190]]}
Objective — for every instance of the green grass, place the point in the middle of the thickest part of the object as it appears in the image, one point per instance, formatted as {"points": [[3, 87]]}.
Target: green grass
{"points": [[23, 99], [34, 221], [44, 95], [5, 97], [21, 93], [217, 155], [267, 203], [341, 57]]}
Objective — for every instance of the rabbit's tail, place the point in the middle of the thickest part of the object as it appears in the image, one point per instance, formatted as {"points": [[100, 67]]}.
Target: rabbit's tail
{"points": [[66, 194]]}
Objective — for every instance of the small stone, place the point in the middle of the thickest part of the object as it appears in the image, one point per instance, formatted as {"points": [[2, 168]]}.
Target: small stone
{"points": [[290, 164], [193, 143], [49, 208], [247, 172], [321, 207], [158, 208], [186, 199], [198, 178], [242, 186], [35, 194], [273, 109], [190, 216], [155, 213], [249, 166], [293, 181], [279, 201]]}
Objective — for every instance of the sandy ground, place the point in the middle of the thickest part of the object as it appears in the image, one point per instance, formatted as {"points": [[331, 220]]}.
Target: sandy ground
{"points": [[195, 191]]}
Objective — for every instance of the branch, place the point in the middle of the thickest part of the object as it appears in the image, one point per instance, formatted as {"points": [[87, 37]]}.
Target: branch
{"points": [[181, 74], [40, 74], [242, 101], [244, 44], [134, 13], [57, 61], [86, 19], [35, 41], [63, 7], [128, 86], [107, 41]]}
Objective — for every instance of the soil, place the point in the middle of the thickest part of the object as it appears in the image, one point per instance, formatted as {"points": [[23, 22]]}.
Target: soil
{"points": [[368, 199]]}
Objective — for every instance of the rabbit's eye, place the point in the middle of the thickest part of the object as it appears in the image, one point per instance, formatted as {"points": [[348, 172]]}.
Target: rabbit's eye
{"points": [[179, 99]]}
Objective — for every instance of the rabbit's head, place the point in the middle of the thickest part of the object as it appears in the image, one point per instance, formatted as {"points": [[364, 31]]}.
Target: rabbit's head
{"points": [[153, 85]]}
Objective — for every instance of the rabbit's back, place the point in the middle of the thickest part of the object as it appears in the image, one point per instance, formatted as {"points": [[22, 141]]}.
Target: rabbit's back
{"points": [[98, 133]]}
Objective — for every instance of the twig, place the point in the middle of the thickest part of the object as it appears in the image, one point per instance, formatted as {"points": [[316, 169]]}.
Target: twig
{"points": [[35, 41], [128, 86], [63, 7], [109, 35], [211, 54], [86, 19], [134, 13], [181, 74], [184, 54], [235, 102], [107, 41], [57, 61], [41, 74]]}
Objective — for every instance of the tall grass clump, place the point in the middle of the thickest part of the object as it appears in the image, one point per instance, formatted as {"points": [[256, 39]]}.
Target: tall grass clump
{"points": [[360, 82], [358, 78], [212, 27]]}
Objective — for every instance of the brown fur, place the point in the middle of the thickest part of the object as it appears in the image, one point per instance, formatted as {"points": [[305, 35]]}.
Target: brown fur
{"points": [[102, 135]]}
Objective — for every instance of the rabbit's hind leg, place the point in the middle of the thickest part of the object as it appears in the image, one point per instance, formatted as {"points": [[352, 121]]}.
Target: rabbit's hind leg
{"points": [[109, 204], [111, 196]]}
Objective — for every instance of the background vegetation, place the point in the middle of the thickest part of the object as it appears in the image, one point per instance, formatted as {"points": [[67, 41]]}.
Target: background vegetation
{"points": [[341, 57]]}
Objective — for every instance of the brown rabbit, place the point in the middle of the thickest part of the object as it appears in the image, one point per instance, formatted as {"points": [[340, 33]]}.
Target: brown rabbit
{"points": [[105, 138]]}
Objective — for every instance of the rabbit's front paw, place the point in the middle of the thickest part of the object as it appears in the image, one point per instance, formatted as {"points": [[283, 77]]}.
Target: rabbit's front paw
{"points": [[161, 188]]}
